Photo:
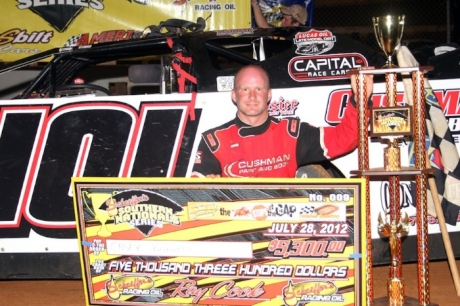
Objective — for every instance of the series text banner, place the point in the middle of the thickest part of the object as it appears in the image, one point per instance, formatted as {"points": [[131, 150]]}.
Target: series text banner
{"points": [[28, 27], [175, 241]]}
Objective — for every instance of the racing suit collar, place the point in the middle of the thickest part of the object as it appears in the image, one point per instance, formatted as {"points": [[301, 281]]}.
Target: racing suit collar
{"points": [[248, 130]]}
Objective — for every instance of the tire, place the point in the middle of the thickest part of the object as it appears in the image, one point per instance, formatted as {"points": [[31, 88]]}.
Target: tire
{"points": [[325, 169], [312, 171]]}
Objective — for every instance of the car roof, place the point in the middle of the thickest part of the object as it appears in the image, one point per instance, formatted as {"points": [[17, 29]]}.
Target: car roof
{"points": [[205, 48]]}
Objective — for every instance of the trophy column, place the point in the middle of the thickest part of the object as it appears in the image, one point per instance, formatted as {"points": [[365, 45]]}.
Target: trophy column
{"points": [[392, 122]]}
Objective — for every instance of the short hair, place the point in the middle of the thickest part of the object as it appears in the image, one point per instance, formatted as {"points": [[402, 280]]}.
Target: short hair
{"points": [[255, 67]]}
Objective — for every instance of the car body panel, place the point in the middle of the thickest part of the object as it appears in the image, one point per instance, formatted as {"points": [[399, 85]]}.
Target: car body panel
{"points": [[156, 135]]}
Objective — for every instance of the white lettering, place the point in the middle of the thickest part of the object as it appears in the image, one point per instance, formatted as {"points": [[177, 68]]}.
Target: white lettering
{"points": [[208, 7], [25, 4]]}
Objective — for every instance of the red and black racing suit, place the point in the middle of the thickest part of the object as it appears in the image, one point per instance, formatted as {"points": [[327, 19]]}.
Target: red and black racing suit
{"points": [[274, 149]]}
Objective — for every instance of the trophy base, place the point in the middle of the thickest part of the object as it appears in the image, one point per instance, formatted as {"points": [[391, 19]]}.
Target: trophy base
{"points": [[409, 301]]}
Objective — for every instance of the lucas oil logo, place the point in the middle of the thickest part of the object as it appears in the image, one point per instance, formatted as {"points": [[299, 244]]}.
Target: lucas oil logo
{"points": [[314, 42]]}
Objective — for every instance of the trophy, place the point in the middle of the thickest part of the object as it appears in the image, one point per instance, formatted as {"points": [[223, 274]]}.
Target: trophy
{"points": [[388, 31], [98, 200], [390, 123]]}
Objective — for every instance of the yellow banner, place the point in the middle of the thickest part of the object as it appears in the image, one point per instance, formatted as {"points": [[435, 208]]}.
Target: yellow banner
{"points": [[32, 26], [169, 241]]}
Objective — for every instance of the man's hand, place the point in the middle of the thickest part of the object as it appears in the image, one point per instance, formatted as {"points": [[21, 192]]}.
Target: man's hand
{"points": [[368, 81], [212, 175]]}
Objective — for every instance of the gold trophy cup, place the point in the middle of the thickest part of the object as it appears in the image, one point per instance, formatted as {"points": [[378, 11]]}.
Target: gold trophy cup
{"points": [[388, 31], [391, 122], [97, 199]]}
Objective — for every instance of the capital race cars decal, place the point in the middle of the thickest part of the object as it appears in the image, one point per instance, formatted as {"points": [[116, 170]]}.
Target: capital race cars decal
{"points": [[324, 67], [311, 65]]}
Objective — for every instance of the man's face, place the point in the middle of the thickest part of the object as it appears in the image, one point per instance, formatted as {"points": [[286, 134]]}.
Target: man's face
{"points": [[288, 21], [251, 95]]}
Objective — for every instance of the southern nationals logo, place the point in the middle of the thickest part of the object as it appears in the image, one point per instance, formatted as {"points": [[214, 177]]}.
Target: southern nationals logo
{"points": [[143, 210]]}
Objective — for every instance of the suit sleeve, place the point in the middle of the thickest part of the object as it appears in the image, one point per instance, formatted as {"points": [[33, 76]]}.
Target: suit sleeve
{"points": [[205, 161], [342, 138], [317, 144]]}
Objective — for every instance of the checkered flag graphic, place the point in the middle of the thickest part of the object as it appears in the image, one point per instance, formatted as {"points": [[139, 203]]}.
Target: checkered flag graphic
{"points": [[72, 41], [307, 210], [442, 152]]}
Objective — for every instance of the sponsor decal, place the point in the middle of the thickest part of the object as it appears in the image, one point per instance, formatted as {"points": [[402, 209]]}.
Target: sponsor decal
{"points": [[241, 212], [143, 210], [324, 67], [282, 209], [8, 48], [279, 211], [244, 167], [101, 37], [211, 140], [202, 210], [132, 286], [314, 42], [225, 83], [21, 36], [431, 220], [234, 33], [406, 201], [59, 13], [213, 5], [405, 197], [282, 107], [320, 291], [448, 100], [198, 157], [96, 247], [259, 212], [326, 210]]}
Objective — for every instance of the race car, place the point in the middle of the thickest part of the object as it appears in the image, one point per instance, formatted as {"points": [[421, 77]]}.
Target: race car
{"points": [[137, 108]]}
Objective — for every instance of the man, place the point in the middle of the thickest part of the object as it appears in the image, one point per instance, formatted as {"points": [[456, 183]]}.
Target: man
{"points": [[257, 145], [291, 16]]}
